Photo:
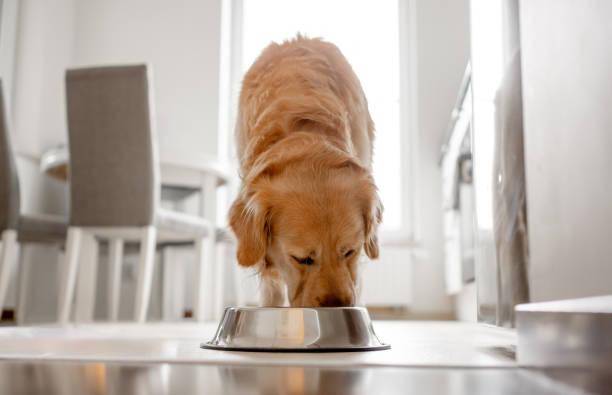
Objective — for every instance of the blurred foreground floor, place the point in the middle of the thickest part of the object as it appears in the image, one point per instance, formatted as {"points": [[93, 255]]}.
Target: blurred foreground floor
{"points": [[426, 357], [63, 378]]}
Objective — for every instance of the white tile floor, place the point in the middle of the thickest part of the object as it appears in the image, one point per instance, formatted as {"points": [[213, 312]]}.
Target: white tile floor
{"points": [[416, 344]]}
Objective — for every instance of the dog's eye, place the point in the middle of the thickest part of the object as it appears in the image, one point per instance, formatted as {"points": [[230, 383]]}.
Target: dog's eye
{"points": [[348, 253], [303, 261]]}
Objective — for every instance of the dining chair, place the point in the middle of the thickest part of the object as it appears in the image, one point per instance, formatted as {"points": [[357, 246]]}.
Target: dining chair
{"points": [[114, 185], [15, 227]]}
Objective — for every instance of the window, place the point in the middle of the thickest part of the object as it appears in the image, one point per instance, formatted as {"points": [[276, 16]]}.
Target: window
{"points": [[367, 32]]}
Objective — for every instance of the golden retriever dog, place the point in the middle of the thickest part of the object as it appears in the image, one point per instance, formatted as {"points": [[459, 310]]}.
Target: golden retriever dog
{"points": [[308, 205]]}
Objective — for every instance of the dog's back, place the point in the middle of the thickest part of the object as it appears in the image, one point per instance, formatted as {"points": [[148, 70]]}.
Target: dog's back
{"points": [[302, 85]]}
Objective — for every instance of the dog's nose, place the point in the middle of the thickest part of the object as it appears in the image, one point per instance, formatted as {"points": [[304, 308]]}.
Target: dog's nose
{"points": [[335, 301]]}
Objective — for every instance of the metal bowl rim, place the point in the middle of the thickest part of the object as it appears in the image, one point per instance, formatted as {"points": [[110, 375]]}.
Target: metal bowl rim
{"points": [[256, 308], [209, 346]]}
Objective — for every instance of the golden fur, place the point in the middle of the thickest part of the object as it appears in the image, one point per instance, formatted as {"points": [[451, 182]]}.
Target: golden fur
{"points": [[308, 204]]}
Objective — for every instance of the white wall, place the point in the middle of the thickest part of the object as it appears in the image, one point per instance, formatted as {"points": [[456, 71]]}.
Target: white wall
{"points": [[44, 49], [181, 41], [443, 51], [8, 36], [567, 89]]}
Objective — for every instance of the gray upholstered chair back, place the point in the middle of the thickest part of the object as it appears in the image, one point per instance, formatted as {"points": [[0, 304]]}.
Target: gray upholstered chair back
{"points": [[113, 156], [9, 184]]}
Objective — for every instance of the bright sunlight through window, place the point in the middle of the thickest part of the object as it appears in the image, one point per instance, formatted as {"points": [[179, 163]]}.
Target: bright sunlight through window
{"points": [[366, 31]]}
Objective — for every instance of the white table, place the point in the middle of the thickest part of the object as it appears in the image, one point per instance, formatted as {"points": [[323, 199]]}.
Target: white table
{"points": [[179, 177]]}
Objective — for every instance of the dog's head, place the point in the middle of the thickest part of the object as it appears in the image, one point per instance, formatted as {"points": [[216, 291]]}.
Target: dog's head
{"points": [[309, 211]]}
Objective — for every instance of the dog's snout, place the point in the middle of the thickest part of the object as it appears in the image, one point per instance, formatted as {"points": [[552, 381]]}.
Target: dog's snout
{"points": [[335, 301]]}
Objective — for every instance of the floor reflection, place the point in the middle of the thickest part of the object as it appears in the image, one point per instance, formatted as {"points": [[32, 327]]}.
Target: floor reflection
{"points": [[294, 380], [164, 379]]}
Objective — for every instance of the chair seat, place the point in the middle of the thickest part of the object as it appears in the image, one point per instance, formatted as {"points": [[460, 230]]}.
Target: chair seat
{"points": [[180, 229], [175, 225], [173, 229], [42, 228]]}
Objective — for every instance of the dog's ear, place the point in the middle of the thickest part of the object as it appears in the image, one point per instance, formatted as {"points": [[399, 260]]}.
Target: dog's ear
{"points": [[372, 218], [251, 224]]}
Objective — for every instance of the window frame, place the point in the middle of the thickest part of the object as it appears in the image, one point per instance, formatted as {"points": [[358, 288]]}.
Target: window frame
{"points": [[407, 236]]}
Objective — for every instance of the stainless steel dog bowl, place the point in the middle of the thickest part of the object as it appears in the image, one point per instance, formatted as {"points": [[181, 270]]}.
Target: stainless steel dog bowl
{"points": [[289, 329]]}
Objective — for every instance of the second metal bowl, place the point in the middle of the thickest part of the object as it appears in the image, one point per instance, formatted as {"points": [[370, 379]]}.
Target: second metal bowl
{"points": [[289, 329]]}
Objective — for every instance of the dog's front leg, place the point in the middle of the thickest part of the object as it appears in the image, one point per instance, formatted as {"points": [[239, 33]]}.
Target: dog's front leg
{"points": [[273, 292]]}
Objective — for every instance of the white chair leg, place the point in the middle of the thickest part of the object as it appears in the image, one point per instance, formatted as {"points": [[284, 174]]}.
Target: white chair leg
{"points": [[68, 277], [219, 283], [173, 290], [7, 260], [204, 304], [208, 198], [205, 254], [87, 279], [24, 275], [238, 290], [115, 258], [166, 285], [145, 273]]}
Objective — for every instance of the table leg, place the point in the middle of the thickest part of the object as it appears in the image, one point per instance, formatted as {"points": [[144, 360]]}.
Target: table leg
{"points": [[87, 280], [208, 207], [208, 198], [173, 285]]}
